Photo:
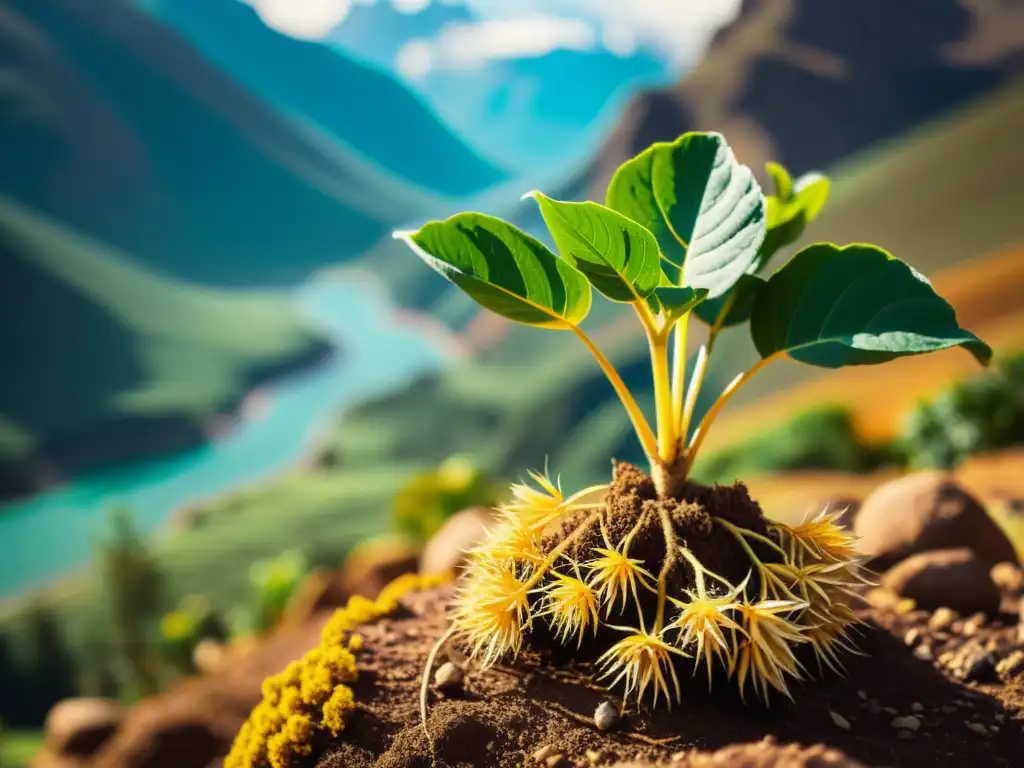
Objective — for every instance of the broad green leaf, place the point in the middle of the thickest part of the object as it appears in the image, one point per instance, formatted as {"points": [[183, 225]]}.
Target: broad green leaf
{"points": [[504, 269], [705, 209], [678, 300], [740, 300], [618, 256], [832, 307]]}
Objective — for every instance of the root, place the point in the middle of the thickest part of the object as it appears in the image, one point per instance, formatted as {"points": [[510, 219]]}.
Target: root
{"points": [[671, 545], [425, 681]]}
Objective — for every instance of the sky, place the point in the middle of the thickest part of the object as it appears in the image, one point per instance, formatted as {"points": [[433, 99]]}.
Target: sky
{"points": [[675, 30]]}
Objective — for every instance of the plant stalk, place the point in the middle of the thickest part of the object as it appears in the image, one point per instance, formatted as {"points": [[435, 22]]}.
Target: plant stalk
{"points": [[663, 397], [680, 335], [636, 416], [719, 404]]}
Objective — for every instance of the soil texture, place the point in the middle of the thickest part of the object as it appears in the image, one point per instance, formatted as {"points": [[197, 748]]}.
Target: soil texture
{"points": [[897, 706]]}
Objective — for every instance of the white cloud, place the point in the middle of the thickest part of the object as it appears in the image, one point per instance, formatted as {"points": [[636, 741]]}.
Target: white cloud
{"points": [[304, 19], [468, 45], [677, 30]]}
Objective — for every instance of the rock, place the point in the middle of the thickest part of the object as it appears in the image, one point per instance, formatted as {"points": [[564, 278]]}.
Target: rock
{"points": [[460, 532], [924, 653], [449, 679], [973, 664], [208, 655], [1012, 666], [839, 720], [544, 752], [606, 716], [763, 754], [169, 742], [978, 728], [942, 618], [917, 707], [956, 578], [906, 723], [79, 727], [1009, 577], [973, 625], [925, 511], [912, 637]]}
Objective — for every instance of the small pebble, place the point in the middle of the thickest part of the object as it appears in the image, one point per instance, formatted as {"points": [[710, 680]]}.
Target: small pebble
{"points": [[890, 711], [973, 624], [449, 679], [839, 720], [924, 652], [907, 723], [606, 716], [942, 618], [912, 637], [979, 668], [905, 606], [543, 753], [555, 761], [978, 728], [917, 706], [862, 694], [1011, 666]]}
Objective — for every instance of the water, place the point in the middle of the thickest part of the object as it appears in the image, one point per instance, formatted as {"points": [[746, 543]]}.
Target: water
{"points": [[55, 532]]}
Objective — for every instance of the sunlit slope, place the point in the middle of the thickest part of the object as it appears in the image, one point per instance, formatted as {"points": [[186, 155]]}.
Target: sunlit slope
{"points": [[96, 340]]}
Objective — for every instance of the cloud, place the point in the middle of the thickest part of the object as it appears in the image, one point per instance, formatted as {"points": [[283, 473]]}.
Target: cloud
{"points": [[677, 30], [468, 45], [303, 19]]}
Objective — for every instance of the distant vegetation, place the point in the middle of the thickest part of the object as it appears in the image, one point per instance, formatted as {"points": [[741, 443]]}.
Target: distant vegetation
{"points": [[982, 413], [430, 497]]}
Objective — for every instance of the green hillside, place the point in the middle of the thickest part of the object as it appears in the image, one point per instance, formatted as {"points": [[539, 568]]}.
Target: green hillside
{"points": [[100, 342]]}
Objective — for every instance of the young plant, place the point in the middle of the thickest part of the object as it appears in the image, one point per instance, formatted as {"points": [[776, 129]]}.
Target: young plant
{"points": [[655, 572]]}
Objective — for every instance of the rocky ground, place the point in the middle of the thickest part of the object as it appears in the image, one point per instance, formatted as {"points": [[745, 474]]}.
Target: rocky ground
{"points": [[941, 681]]}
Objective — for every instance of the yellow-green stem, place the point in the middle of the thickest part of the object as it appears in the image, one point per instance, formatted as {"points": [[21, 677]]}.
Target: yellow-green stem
{"points": [[679, 371], [636, 416], [709, 417], [667, 442]]}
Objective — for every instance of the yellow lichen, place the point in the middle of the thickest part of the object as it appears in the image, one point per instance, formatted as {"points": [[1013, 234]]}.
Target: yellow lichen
{"points": [[310, 696]]}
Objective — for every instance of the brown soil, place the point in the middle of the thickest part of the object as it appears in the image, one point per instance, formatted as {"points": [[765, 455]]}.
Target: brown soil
{"points": [[506, 714]]}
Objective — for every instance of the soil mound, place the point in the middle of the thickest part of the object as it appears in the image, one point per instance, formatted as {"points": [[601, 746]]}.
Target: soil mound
{"points": [[896, 708]]}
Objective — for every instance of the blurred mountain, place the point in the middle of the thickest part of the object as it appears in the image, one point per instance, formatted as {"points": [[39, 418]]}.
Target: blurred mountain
{"points": [[361, 106], [112, 123], [808, 83], [114, 361], [525, 112]]}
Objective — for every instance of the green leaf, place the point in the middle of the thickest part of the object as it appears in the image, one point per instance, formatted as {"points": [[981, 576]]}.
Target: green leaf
{"points": [[619, 257], [812, 190], [782, 180], [705, 209], [503, 269], [677, 301], [832, 307], [740, 300]]}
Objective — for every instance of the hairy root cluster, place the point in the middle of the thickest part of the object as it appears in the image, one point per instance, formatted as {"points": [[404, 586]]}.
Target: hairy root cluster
{"points": [[647, 586]]}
